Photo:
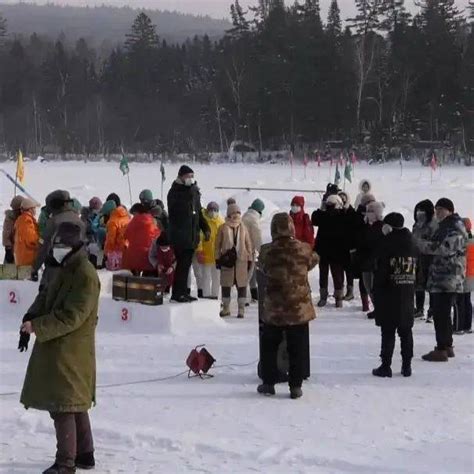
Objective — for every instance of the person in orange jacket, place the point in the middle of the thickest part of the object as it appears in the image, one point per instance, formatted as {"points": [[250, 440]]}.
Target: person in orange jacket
{"points": [[140, 234], [115, 240], [26, 242]]}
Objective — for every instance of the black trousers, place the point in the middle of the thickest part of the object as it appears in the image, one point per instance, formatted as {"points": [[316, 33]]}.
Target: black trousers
{"points": [[420, 301], [296, 348], [463, 312], [388, 343], [184, 260], [441, 304], [337, 272]]}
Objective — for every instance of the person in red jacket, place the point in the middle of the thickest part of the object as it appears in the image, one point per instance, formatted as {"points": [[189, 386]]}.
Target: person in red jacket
{"points": [[163, 259], [140, 234], [303, 227]]}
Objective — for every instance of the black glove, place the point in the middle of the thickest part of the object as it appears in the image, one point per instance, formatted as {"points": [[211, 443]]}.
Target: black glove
{"points": [[9, 257], [34, 276], [23, 342]]}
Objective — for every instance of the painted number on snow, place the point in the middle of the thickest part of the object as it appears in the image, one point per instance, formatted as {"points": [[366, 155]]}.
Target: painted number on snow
{"points": [[12, 297], [125, 314]]}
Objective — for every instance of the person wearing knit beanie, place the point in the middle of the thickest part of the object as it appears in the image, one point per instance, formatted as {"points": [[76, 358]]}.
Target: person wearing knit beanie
{"points": [[444, 208], [95, 204], [258, 205], [108, 207], [393, 221], [233, 209]]}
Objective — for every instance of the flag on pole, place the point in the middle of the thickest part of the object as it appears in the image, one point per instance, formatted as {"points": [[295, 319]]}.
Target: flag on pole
{"points": [[401, 164], [354, 158], [162, 171], [348, 172], [341, 161], [434, 162], [20, 168], [337, 176], [124, 168], [305, 160], [319, 159]]}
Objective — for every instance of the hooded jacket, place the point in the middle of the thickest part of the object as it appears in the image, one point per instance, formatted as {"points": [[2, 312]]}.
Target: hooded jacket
{"points": [[252, 219], [26, 239], [304, 231], [362, 193], [115, 240], [286, 263], [208, 249]]}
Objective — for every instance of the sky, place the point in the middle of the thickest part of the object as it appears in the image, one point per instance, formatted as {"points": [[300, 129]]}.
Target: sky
{"points": [[214, 8]]}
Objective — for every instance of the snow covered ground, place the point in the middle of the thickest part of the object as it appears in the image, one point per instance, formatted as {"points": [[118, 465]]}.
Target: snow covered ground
{"points": [[347, 421]]}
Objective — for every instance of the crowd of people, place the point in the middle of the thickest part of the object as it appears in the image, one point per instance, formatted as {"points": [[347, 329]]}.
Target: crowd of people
{"points": [[395, 267]]}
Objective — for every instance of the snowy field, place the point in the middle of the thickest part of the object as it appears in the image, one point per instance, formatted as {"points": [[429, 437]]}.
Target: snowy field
{"points": [[347, 421]]}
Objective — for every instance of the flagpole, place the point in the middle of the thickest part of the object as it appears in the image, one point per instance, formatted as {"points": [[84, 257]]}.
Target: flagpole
{"points": [[129, 188]]}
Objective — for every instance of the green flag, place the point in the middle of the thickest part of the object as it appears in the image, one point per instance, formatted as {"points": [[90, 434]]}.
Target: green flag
{"points": [[124, 168], [337, 177], [163, 175], [348, 172]]}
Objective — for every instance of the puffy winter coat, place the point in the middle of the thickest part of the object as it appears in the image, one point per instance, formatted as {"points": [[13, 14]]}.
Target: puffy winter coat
{"points": [[116, 226], [331, 241], [286, 263], [26, 239], [91, 220], [208, 249], [448, 247], [362, 193], [304, 230], [228, 236], [394, 279], [140, 234], [8, 233], [469, 282], [251, 219], [185, 217], [61, 371], [367, 242]]}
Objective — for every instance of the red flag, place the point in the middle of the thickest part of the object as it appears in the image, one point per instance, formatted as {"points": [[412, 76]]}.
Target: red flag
{"points": [[319, 159], [354, 158], [341, 160], [305, 160], [434, 162]]}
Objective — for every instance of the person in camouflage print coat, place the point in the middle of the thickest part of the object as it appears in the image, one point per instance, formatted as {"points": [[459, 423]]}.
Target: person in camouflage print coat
{"points": [[288, 305], [446, 275]]}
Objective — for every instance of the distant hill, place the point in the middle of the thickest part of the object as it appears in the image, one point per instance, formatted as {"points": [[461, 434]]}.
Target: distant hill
{"points": [[104, 24]]}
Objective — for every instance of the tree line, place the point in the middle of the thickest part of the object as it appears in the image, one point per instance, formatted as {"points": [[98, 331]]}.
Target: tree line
{"points": [[281, 77]]}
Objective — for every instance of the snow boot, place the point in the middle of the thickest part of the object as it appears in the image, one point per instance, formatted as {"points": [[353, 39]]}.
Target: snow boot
{"points": [[295, 392], [200, 294], [85, 461], [323, 297], [365, 303], [254, 294], [450, 352], [241, 308], [406, 368], [436, 355], [339, 295], [349, 294], [225, 311], [371, 315], [383, 371], [56, 469], [266, 389]]}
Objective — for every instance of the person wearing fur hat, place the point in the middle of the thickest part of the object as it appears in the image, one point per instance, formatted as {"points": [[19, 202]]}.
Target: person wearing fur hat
{"points": [[27, 237], [285, 264], [186, 222], [206, 254], [304, 230], [446, 275], [331, 246], [61, 373], [394, 292], [234, 254], [8, 234], [423, 229], [60, 206], [463, 307], [365, 187], [252, 219], [367, 241]]}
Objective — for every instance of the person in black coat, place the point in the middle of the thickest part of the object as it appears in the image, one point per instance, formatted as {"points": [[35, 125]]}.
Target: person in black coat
{"points": [[331, 246], [185, 224], [394, 291]]}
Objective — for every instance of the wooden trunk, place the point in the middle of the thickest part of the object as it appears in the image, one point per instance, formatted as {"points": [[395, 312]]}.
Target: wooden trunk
{"points": [[119, 287], [145, 290]]}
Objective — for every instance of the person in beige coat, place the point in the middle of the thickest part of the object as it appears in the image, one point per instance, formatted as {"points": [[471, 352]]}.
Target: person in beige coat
{"points": [[234, 234]]}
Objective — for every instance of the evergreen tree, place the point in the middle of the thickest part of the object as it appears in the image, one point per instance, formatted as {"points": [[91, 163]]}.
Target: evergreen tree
{"points": [[143, 36], [334, 24], [3, 30]]}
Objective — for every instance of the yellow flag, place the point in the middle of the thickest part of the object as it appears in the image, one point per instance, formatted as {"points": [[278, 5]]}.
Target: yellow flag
{"points": [[20, 168]]}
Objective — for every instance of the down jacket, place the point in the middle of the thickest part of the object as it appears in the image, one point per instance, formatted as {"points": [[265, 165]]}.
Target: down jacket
{"points": [[251, 219], [116, 240], [207, 249], [26, 239], [304, 230]]}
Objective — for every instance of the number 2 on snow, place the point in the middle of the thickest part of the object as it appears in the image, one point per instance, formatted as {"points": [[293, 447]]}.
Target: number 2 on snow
{"points": [[12, 297]]}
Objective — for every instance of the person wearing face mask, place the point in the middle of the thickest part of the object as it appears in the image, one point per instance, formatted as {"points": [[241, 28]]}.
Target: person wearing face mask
{"points": [[60, 377], [304, 231], [186, 222], [446, 275], [331, 248], [394, 291], [252, 219], [423, 229], [26, 234], [206, 254], [233, 238], [368, 240]]}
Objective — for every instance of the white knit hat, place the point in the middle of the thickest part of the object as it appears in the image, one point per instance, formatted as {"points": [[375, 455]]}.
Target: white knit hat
{"points": [[334, 200]]}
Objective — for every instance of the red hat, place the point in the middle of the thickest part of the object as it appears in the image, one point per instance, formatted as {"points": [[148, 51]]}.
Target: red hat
{"points": [[298, 201]]}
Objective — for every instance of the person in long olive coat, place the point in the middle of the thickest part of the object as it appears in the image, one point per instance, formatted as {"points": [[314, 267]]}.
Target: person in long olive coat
{"points": [[61, 373]]}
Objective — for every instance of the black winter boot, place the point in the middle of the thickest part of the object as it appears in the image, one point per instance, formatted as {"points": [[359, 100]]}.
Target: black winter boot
{"points": [[323, 298], [85, 461], [266, 389], [200, 295], [383, 371], [254, 294], [56, 469], [295, 392], [349, 294], [406, 368]]}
